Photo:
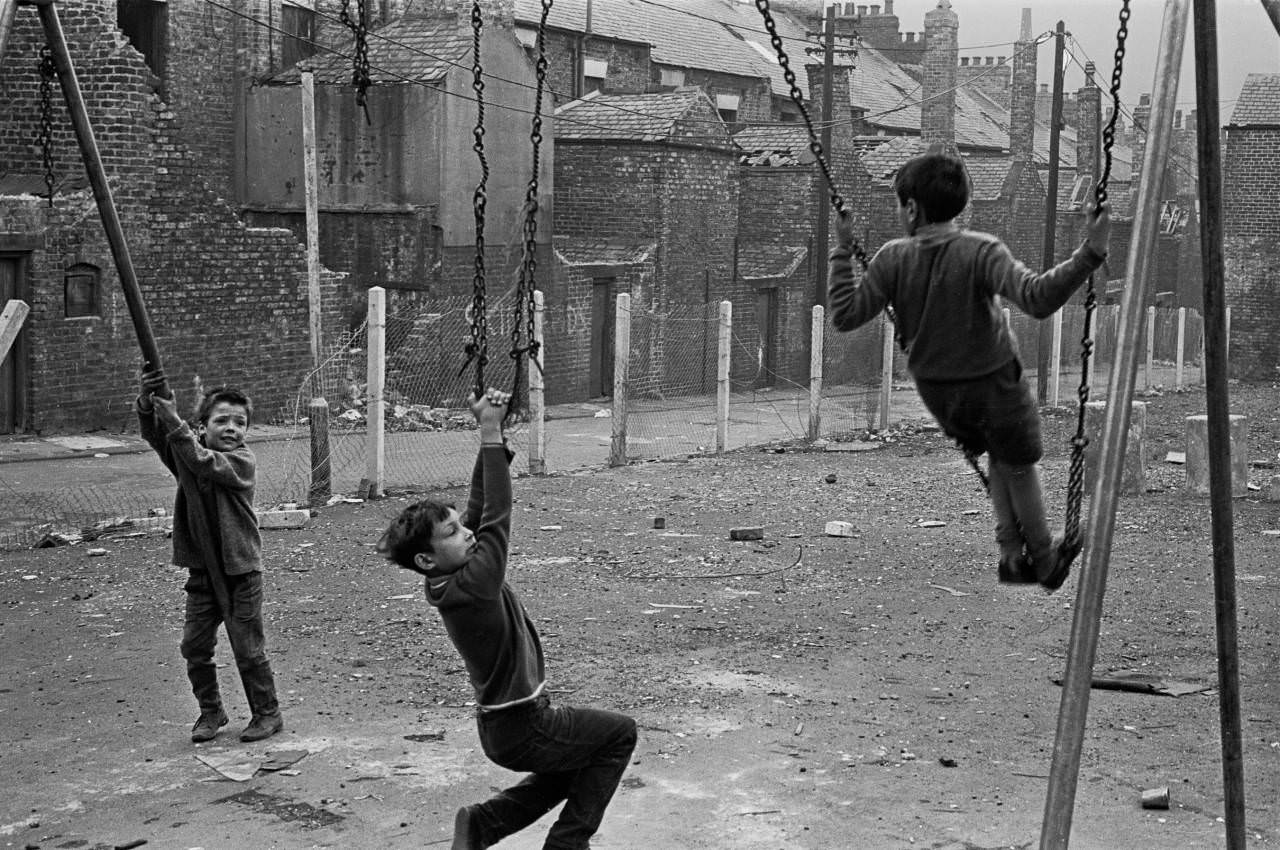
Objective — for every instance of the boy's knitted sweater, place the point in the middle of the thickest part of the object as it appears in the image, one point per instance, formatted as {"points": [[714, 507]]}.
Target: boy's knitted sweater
{"points": [[483, 615], [942, 283], [214, 523]]}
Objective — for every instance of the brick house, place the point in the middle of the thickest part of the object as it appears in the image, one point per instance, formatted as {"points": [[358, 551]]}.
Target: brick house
{"points": [[224, 298], [646, 203], [395, 187], [1251, 227]]}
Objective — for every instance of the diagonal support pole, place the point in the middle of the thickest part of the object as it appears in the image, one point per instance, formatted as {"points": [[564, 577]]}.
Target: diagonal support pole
{"points": [[101, 188], [1055, 831], [1216, 326]]}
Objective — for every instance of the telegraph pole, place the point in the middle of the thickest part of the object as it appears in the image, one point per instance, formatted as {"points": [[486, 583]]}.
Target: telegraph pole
{"points": [[823, 235], [1045, 339]]}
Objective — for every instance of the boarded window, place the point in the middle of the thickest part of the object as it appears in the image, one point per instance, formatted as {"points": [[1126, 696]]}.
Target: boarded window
{"points": [[81, 290], [299, 25], [146, 23]]}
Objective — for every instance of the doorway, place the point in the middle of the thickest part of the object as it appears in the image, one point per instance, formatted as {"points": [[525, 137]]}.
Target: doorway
{"points": [[767, 323], [603, 321], [13, 367]]}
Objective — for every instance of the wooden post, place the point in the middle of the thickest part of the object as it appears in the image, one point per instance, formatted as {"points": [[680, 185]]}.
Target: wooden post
{"points": [[15, 313], [311, 195], [725, 341], [101, 187], [886, 370], [375, 394], [1064, 774], [815, 372], [621, 377], [1151, 345], [1182, 348], [7, 10], [321, 472], [1055, 361], [537, 392], [1217, 406]]}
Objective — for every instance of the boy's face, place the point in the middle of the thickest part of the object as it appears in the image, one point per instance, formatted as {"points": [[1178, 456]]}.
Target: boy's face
{"points": [[451, 546], [225, 428]]}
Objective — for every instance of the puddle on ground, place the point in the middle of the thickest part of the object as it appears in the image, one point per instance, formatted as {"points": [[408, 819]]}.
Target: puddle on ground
{"points": [[304, 814]]}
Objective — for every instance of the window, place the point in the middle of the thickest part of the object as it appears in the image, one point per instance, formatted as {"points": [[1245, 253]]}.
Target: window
{"points": [[594, 72], [727, 106], [671, 77], [146, 24], [299, 25], [80, 285]]}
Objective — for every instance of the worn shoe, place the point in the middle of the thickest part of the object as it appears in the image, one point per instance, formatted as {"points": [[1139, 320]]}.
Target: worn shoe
{"points": [[1017, 570], [1065, 551], [466, 832], [262, 726], [207, 726]]}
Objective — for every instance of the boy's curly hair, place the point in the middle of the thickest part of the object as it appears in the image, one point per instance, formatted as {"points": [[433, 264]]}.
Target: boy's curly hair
{"points": [[411, 532], [938, 182], [228, 394]]}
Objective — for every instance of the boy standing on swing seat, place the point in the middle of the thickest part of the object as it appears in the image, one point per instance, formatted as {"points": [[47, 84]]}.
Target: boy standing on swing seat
{"points": [[942, 281], [215, 536], [574, 755]]}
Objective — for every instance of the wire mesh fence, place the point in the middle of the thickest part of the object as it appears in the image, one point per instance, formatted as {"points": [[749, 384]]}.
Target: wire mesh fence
{"points": [[672, 410]]}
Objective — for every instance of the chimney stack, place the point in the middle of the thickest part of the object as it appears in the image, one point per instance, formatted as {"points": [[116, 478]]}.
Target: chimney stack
{"points": [[1022, 95], [1089, 125], [941, 58]]}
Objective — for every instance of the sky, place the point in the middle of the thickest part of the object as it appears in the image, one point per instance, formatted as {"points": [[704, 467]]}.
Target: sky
{"points": [[1247, 42]]}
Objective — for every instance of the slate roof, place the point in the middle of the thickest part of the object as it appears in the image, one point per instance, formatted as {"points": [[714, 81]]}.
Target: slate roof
{"points": [[708, 35], [640, 118], [986, 176], [774, 145], [883, 161], [409, 48], [757, 261], [1259, 101]]}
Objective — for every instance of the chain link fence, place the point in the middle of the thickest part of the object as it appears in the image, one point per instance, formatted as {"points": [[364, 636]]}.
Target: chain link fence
{"points": [[671, 411]]}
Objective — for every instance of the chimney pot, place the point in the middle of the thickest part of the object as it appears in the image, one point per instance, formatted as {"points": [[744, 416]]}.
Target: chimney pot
{"points": [[1144, 100], [1026, 25], [964, 61], [875, 10], [888, 7], [991, 60], [862, 10], [1000, 59], [1044, 88]]}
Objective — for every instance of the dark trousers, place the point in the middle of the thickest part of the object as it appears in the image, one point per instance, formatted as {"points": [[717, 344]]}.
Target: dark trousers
{"points": [[241, 613], [997, 415], [574, 755]]}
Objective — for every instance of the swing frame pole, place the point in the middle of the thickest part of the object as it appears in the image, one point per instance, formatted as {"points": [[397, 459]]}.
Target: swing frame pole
{"points": [[1216, 325], [1055, 831], [101, 187], [8, 10]]}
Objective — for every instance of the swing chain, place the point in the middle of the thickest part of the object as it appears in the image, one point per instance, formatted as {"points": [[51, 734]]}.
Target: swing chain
{"points": [[797, 97], [477, 348], [524, 308], [359, 26], [1080, 441], [48, 73]]}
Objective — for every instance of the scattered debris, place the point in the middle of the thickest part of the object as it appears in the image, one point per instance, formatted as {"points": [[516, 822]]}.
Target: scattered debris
{"points": [[1175, 457], [947, 761], [950, 590], [840, 528], [281, 759], [95, 553], [831, 478], [749, 532], [237, 767], [659, 522], [1144, 683], [551, 528], [296, 518], [1156, 798], [930, 523]]}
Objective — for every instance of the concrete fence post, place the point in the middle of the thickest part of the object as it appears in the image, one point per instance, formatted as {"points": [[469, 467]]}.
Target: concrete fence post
{"points": [[537, 392], [815, 372], [621, 378], [723, 345], [375, 395]]}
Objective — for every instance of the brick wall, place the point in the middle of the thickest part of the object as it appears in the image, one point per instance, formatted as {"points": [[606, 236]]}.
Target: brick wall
{"points": [[991, 75], [224, 300], [1251, 230]]}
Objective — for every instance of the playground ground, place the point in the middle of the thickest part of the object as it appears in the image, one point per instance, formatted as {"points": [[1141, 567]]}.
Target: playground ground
{"points": [[793, 693]]}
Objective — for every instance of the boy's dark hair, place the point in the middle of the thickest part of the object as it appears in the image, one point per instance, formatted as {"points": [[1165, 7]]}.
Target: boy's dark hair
{"points": [[228, 394], [938, 182], [411, 532]]}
